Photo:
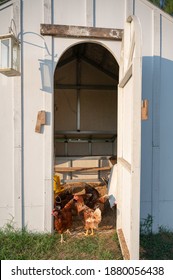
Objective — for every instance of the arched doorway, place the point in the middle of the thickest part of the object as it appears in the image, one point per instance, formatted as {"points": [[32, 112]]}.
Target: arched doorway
{"points": [[85, 111]]}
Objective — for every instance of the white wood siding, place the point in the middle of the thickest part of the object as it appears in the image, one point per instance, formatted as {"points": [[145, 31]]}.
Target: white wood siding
{"points": [[166, 125], [40, 57], [6, 133]]}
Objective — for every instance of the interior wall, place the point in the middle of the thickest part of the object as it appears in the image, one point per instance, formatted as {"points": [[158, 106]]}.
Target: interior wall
{"points": [[98, 108], [84, 161], [65, 109]]}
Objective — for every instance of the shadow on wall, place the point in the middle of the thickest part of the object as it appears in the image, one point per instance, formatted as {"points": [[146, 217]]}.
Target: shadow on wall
{"points": [[157, 139], [46, 72], [47, 66]]}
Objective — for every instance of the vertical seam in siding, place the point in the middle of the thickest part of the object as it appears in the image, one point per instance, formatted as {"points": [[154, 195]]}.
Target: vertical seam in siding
{"points": [[22, 109], [94, 13], [155, 119]]}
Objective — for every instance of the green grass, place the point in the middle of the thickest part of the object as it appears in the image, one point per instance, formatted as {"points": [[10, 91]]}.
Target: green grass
{"points": [[157, 246], [20, 245], [24, 245]]}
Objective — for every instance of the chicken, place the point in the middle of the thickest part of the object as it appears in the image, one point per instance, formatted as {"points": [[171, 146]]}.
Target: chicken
{"points": [[63, 218], [63, 198], [91, 197], [92, 218]]}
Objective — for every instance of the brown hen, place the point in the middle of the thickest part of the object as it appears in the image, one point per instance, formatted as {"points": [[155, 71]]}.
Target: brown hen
{"points": [[63, 218], [92, 218]]}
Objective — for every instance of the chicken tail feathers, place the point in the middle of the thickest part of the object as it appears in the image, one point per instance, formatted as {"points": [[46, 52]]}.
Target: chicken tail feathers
{"points": [[97, 215]]}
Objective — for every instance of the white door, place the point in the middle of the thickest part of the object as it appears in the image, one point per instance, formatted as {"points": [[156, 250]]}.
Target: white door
{"points": [[129, 140]]}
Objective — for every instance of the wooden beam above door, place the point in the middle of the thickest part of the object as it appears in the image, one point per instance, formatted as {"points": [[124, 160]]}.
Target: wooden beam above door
{"points": [[71, 31]]}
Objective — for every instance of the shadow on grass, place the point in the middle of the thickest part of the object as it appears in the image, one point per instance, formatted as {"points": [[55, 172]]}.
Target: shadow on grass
{"points": [[157, 246]]}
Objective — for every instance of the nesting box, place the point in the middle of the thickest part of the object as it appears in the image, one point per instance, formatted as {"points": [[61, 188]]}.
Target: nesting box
{"points": [[9, 55]]}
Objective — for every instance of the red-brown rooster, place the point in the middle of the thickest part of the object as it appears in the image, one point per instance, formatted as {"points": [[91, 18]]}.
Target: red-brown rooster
{"points": [[63, 218]]}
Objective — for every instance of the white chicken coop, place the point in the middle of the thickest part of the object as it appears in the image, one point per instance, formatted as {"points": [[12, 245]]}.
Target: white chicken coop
{"points": [[82, 81]]}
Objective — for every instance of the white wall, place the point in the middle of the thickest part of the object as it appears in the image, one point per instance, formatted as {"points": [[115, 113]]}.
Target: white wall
{"points": [[70, 12], [145, 14], [42, 54], [109, 19], [34, 100], [157, 176], [7, 96], [33, 198], [166, 125], [6, 149]]}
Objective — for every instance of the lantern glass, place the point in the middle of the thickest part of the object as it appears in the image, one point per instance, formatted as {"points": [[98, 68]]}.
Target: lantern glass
{"points": [[9, 55], [5, 53]]}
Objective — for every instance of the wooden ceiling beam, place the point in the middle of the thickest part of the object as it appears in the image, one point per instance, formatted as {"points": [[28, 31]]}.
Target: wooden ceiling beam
{"points": [[71, 31], [89, 61], [100, 68], [85, 87], [65, 61]]}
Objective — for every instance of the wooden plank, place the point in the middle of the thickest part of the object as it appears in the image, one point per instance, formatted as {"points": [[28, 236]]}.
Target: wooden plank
{"points": [[71, 31], [78, 169], [41, 119], [123, 245], [86, 132], [99, 67], [126, 78], [144, 110], [9, 35], [85, 87]]}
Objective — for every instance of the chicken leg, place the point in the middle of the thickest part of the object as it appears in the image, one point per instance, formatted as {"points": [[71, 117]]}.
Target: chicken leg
{"points": [[62, 239], [87, 232]]}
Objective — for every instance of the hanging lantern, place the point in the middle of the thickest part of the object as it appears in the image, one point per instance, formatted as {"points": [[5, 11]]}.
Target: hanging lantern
{"points": [[9, 55]]}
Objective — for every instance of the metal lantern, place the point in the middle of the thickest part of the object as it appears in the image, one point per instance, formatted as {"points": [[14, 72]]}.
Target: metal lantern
{"points": [[9, 55]]}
